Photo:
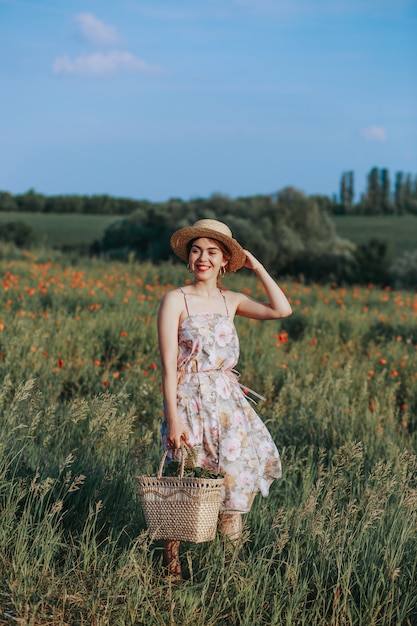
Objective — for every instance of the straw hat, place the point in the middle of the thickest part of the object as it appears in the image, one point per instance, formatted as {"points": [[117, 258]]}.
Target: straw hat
{"points": [[213, 230]]}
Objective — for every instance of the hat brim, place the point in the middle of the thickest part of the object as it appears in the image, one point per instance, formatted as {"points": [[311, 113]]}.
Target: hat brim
{"points": [[182, 237]]}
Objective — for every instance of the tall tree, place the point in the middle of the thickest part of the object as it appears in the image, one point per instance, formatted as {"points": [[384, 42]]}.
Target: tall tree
{"points": [[346, 192], [385, 192], [374, 193], [399, 193]]}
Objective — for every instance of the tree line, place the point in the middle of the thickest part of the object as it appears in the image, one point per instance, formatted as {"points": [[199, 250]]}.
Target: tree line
{"points": [[381, 197], [292, 233]]}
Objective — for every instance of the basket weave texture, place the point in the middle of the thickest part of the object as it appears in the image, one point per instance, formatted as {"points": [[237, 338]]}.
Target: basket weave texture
{"points": [[180, 508]]}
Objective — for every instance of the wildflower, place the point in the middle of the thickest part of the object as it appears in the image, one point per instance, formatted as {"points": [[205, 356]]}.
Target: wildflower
{"points": [[283, 336], [123, 334], [154, 366], [383, 361], [60, 363], [314, 341], [393, 373], [105, 383], [97, 363]]}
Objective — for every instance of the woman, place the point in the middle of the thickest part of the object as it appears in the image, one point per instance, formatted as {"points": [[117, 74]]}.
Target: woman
{"points": [[205, 406]]}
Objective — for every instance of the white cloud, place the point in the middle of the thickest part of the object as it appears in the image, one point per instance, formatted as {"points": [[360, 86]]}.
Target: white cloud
{"points": [[102, 64], [95, 31], [374, 133]]}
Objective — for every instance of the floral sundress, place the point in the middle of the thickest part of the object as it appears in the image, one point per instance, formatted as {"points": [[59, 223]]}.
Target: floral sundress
{"points": [[225, 431]]}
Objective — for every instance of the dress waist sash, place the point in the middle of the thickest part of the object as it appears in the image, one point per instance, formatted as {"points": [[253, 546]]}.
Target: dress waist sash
{"points": [[234, 376]]}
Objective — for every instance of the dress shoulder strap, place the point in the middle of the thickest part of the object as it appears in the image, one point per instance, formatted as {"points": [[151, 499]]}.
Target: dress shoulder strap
{"points": [[225, 302], [185, 300]]}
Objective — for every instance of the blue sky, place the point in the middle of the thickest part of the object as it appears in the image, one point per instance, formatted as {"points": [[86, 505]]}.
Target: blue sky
{"points": [[185, 98]]}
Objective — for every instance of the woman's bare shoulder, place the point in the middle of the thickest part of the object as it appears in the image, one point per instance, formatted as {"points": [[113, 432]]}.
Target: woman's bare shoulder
{"points": [[173, 299], [233, 298]]}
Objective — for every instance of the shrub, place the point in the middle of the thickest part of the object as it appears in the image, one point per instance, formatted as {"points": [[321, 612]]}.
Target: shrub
{"points": [[18, 232], [404, 271]]}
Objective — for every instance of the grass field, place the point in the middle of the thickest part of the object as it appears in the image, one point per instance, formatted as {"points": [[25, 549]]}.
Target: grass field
{"points": [[64, 229], [334, 544], [401, 232], [56, 230]]}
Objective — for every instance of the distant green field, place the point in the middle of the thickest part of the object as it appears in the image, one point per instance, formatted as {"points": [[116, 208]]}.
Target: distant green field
{"points": [[69, 228], [400, 231], [58, 229]]}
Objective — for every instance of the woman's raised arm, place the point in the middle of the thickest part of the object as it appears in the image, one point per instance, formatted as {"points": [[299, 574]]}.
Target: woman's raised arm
{"points": [[277, 305]]}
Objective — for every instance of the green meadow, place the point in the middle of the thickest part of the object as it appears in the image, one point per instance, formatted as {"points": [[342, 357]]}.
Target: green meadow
{"points": [[400, 231], [56, 229], [335, 543], [70, 229]]}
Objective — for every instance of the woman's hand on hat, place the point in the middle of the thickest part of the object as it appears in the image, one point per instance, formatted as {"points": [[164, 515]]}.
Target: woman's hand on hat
{"points": [[251, 262]]}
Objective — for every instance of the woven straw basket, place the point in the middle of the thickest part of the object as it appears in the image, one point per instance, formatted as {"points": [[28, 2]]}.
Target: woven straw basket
{"points": [[180, 508]]}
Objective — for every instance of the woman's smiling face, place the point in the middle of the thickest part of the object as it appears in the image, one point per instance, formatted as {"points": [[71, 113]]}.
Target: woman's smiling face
{"points": [[206, 257]]}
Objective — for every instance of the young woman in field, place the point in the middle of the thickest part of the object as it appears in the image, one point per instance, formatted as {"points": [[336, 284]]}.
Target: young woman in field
{"points": [[205, 406]]}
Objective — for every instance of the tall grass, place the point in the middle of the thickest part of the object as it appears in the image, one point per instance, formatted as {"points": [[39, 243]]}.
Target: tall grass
{"points": [[334, 544]]}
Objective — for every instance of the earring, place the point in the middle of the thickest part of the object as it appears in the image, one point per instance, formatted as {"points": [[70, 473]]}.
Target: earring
{"points": [[222, 271], [189, 268]]}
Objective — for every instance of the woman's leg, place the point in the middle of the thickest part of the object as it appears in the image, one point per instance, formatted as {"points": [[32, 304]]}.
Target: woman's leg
{"points": [[172, 558], [230, 525]]}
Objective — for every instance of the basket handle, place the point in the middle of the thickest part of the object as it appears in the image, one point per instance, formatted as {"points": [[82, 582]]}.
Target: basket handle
{"points": [[184, 453]]}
